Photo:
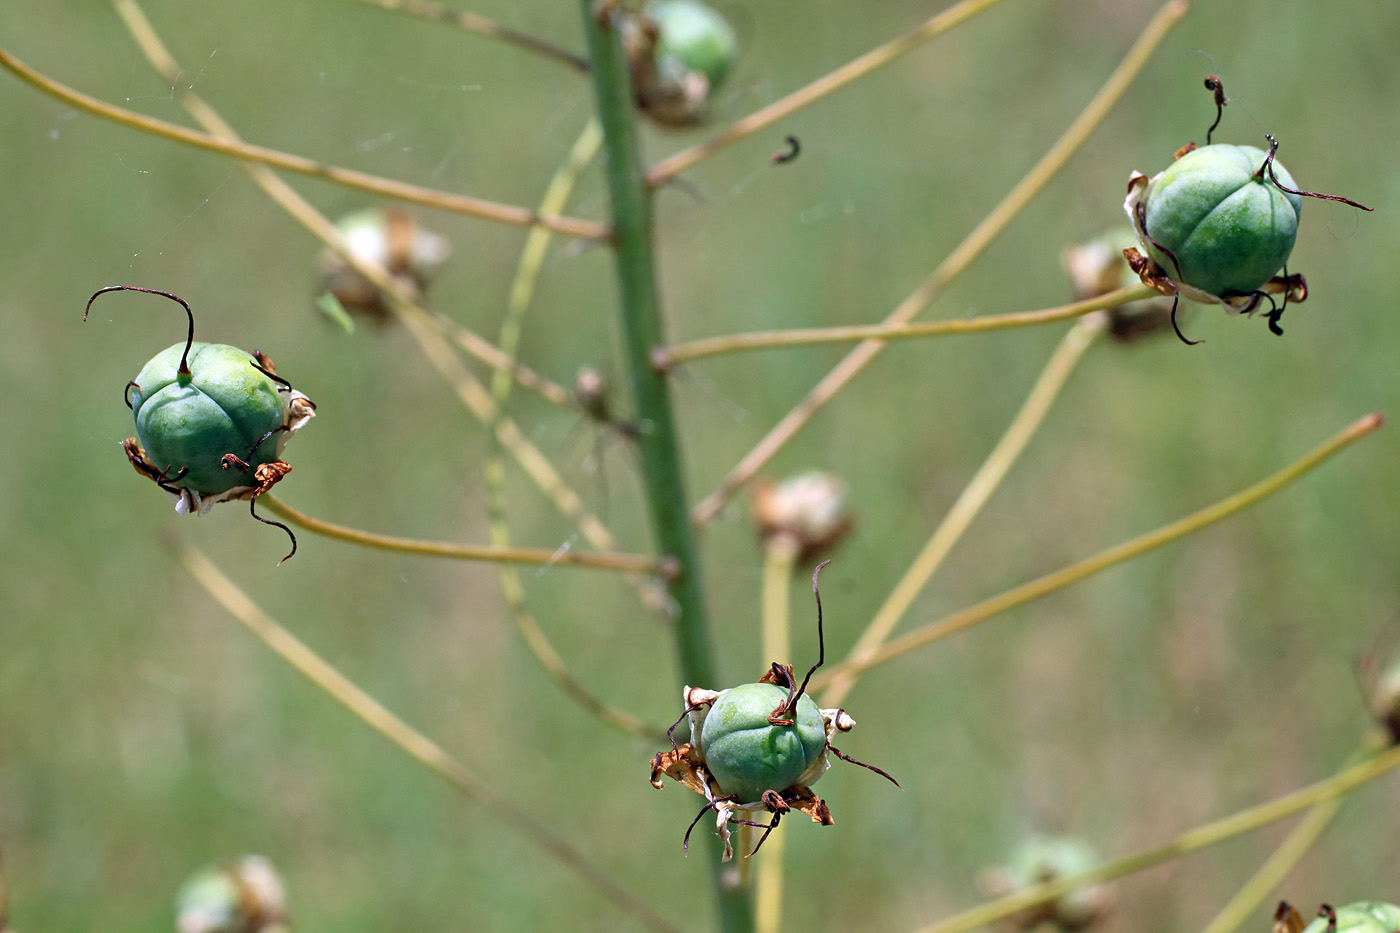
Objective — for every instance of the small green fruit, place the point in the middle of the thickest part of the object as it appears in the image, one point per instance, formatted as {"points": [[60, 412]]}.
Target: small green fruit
{"points": [[1361, 917], [225, 404], [679, 51], [693, 38], [746, 754], [1229, 228]]}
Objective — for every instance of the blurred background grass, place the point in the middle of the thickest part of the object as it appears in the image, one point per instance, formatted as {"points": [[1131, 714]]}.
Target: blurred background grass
{"points": [[142, 734]]}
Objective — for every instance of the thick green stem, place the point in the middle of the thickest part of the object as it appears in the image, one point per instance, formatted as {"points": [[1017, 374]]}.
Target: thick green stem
{"points": [[642, 332]]}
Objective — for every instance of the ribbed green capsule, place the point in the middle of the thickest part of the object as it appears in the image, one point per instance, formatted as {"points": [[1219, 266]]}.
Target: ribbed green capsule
{"points": [[225, 404], [746, 754], [1229, 228], [1361, 917], [692, 37]]}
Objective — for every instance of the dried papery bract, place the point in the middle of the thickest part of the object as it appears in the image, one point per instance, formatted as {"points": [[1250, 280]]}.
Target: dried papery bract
{"points": [[391, 238], [211, 421], [1097, 267], [242, 896], [757, 748], [679, 52], [808, 512], [1037, 860]]}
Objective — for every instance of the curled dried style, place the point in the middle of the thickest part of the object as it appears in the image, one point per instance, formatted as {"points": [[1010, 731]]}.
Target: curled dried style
{"points": [[786, 713], [264, 476], [1216, 87], [1268, 166], [189, 339]]}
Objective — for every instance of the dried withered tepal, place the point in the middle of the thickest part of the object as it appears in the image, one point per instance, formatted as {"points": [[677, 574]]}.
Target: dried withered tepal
{"points": [[211, 421], [757, 748]]}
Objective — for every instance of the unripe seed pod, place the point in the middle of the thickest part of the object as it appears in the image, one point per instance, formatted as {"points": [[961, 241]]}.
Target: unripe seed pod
{"points": [[225, 404], [810, 509], [211, 421], [243, 897], [1097, 267], [1360, 917], [747, 755], [680, 51], [391, 238], [1228, 227], [693, 38], [1039, 859]]}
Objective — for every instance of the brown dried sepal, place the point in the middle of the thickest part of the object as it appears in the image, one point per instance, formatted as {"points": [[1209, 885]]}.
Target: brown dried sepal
{"points": [[775, 674], [1189, 147], [802, 798], [268, 475], [1287, 919], [683, 764], [1147, 270]]}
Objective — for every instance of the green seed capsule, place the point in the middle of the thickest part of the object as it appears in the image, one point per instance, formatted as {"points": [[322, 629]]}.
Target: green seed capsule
{"points": [[1214, 223], [1039, 859], [746, 754], [693, 38], [1361, 917], [224, 405], [679, 51], [211, 421]]}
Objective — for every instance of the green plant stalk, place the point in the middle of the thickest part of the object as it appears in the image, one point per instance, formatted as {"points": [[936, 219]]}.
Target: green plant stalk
{"points": [[657, 443]]}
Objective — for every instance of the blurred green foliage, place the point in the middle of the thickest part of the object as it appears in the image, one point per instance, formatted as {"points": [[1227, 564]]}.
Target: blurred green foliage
{"points": [[142, 735]]}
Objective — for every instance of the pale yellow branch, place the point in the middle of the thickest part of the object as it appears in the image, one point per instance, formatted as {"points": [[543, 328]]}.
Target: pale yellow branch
{"points": [[563, 557], [416, 745], [779, 557], [1188, 842], [1302, 838], [819, 336], [983, 483], [827, 84], [474, 22], [531, 262], [961, 257], [349, 178], [1059, 579]]}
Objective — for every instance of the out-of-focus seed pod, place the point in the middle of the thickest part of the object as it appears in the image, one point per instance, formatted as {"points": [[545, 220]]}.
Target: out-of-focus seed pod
{"points": [[388, 237], [1038, 859], [1097, 267], [243, 896], [810, 510], [680, 52]]}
